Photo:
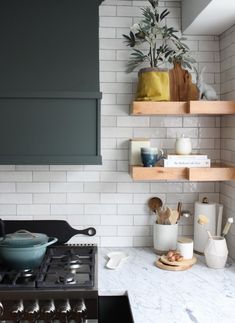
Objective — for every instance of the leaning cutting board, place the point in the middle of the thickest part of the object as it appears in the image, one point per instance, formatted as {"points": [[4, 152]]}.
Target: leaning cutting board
{"points": [[52, 228], [161, 265]]}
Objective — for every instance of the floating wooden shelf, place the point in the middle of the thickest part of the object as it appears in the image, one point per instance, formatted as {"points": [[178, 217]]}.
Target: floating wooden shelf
{"points": [[182, 108], [215, 173]]}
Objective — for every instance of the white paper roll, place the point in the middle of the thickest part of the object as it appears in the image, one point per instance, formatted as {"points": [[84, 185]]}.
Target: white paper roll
{"points": [[200, 234]]}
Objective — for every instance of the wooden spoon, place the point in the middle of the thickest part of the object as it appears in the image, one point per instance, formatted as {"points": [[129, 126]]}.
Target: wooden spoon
{"points": [[174, 216], [164, 216], [155, 204]]}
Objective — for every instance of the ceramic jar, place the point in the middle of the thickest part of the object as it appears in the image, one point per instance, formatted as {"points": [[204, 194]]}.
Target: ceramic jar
{"points": [[164, 237], [216, 252], [183, 146]]}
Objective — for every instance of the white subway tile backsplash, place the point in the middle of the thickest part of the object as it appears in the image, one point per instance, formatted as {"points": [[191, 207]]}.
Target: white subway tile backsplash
{"points": [[100, 187], [115, 154], [49, 198], [82, 219], [160, 187], [123, 166], [31, 167], [109, 198], [7, 187], [83, 176], [107, 55], [33, 209], [66, 209], [107, 33], [107, 11], [116, 220], [113, 88], [142, 241], [115, 22], [178, 132], [144, 219], [115, 110], [83, 198], [31, 187], [100, 209], [133, 187], [116, 242], [108, 121], [107, 76], [66, 187], [135, 209], [7, 209], [199, 187], [209, 133], [107, 165], [15, 198], [105, 196], [133, 231], [133, 121], [208, 45], [149, 132], [121, 132], [166, 121], [144, 197], [49, 176], [17, 176], [106, 231]]}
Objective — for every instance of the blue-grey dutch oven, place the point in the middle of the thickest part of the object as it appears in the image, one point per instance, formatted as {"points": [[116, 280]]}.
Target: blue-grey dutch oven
{"points": [[24, 249]]}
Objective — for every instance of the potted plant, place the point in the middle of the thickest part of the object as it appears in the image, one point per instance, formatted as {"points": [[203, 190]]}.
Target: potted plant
{"points": [[154, 42]]}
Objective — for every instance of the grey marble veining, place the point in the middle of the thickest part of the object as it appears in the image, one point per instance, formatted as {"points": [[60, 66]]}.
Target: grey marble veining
{"points": [[197, 295]]}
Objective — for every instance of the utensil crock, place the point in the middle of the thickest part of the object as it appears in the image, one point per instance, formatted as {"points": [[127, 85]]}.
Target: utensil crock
{"points": [[164, 237]]}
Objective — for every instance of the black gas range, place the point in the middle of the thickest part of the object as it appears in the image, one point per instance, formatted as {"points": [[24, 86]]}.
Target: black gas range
{"points": [[62, 289]]}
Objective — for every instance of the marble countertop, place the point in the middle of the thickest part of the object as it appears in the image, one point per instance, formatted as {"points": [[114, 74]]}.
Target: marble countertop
{"points": [[198, 295]]}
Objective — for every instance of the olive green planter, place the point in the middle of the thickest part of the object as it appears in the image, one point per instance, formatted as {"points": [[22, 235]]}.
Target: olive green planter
{"points": [[153, 85]]}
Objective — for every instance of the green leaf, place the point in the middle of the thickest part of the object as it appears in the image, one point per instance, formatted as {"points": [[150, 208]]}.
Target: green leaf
{"points": [[164, 14]]}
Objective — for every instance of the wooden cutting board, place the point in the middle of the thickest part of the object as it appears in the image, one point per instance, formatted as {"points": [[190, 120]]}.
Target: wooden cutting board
{"points": [[163, 266], [185, 262]]}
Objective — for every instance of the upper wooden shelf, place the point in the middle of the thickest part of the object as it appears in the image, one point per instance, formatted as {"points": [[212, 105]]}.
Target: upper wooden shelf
{"points": [[182, 108], [217, 172]]}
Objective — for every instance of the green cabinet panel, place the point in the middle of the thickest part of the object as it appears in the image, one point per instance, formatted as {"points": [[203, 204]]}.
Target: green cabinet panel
{"points": [[49, 82]]}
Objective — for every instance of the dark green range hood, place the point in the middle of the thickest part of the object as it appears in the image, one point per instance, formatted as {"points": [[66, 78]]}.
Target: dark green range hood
{"points": [[49, 82]]}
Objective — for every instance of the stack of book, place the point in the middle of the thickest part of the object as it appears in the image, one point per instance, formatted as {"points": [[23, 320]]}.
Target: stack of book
{"points": [[187, 161]]}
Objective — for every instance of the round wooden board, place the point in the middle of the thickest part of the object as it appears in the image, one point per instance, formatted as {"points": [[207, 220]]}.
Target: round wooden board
{"points": [[160, 265], [186, 262]]}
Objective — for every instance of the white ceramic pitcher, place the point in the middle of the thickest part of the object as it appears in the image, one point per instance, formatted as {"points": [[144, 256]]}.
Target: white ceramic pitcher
{"points": [[216, 252]]}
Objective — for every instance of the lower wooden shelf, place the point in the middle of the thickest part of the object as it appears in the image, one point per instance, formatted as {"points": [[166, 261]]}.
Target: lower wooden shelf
{"points": [[218, 172]]}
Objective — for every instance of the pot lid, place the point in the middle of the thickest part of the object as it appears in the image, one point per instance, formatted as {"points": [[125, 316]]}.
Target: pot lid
{"points": [[24, 238]]}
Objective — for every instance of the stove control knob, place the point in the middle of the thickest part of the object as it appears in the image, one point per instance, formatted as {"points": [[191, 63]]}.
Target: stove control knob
{"points": [[48, 307], [79, 307], [32, 307], [1, 309], [17, 307], [64, 307]]}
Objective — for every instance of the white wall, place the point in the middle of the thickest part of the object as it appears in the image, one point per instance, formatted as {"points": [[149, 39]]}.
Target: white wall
{"points": [[191, 9], [227, 51], [105, 196]]}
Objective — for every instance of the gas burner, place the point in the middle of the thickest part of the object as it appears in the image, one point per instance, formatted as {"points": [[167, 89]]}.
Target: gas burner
{"points": [[26, 273], [72, 259], [67, 279]]}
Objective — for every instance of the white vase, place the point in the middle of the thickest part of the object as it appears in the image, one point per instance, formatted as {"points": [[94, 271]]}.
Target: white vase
{"points": [[165, 237], [216, 252]]}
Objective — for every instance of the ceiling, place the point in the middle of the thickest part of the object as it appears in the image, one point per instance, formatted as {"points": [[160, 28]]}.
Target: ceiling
{"points": [[214, 19]]}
